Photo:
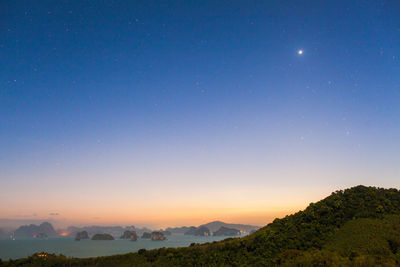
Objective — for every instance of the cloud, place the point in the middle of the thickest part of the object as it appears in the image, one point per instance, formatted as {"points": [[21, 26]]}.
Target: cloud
{"points": [[25, 215], [54, 214], [15, 223]]}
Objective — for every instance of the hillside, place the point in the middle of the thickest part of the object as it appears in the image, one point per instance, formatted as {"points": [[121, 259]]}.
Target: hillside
{"points": [[356, 227]]}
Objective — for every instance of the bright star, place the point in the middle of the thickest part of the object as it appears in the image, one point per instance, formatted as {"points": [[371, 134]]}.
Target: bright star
{"points": [[300, 52]]}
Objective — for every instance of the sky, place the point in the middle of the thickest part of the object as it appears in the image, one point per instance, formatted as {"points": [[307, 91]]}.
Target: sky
{"points": [[169, 113]]}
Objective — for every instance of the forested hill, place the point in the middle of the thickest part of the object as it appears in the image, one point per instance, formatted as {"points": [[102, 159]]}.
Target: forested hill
{"points": [[359, 226]]}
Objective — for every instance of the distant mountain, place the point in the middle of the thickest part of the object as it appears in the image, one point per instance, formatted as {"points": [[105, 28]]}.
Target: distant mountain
{"points": [[81, 235], [33, 230], [198, 231], [146, 235], [115, 231], [139, 231], [225, 231], [191, 230], [202, 231], [92, 230], [213, 227], [179, 230], [157, 236], [132, 235], [216, 225]]}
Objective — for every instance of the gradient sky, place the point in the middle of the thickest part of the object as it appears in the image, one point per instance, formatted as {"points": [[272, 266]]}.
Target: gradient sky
{"points": [[182, 112]]}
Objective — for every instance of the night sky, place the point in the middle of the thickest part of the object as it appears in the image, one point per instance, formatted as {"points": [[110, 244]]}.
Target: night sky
{"points": [[200, 110]]}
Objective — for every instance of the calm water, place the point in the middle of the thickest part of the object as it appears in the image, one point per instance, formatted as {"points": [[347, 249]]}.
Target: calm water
{"points": [[14, 249]]}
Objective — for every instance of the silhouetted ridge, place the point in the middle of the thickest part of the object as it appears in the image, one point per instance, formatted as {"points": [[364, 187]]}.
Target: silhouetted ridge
{"points": [[309, 228]]}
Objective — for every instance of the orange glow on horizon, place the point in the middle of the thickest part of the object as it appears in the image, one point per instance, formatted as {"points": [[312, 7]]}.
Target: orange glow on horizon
{"points": [[255, 206]]}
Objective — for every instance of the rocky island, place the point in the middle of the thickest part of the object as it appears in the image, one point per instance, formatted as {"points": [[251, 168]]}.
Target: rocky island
{"points": [[157, 236], [202, 231], [33, 230], [146, 235], [191, 230], [225, 231], [243, 228], [81, 235], [129, 235], [102, 237], [178, 230], [198, 231]]}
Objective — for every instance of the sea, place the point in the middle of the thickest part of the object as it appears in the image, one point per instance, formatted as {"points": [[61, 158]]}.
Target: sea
{"points": [[20, 248]]}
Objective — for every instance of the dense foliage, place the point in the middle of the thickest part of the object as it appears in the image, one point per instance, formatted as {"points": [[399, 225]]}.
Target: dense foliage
{"points": [[356, 227]]}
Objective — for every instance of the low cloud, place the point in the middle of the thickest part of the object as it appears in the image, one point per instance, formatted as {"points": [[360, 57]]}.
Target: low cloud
{"points": [[25, 215], [17, 222]]}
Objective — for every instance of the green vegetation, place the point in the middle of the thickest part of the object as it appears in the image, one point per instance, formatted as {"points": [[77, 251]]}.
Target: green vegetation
{"points": [[356, 227]]}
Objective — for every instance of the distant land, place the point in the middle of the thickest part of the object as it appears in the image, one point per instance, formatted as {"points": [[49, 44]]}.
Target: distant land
{"points": [[180, 230], [225, 231], [198, 231], [32, 230], [131, 235], [214, 226], [46, 229], [115, 231], [359, 226]]}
